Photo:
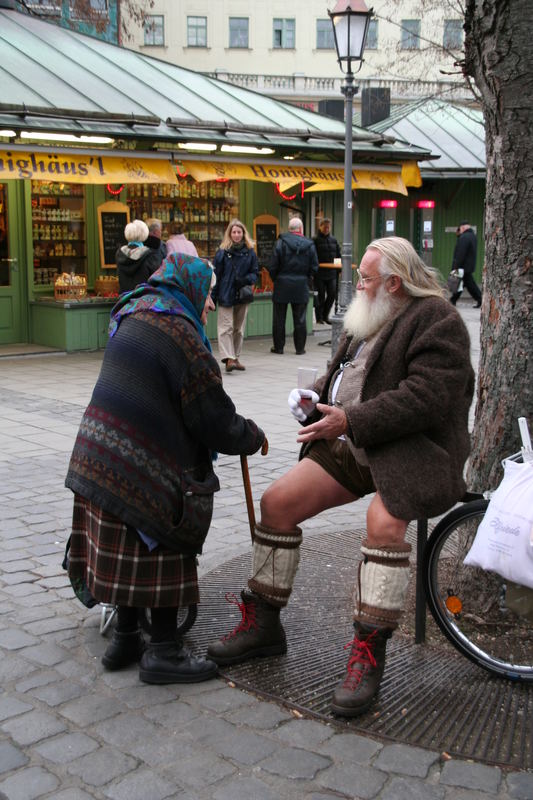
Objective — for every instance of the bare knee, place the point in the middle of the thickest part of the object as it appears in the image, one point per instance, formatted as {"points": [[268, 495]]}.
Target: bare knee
{"points": [[382, 527], [276, 511]]}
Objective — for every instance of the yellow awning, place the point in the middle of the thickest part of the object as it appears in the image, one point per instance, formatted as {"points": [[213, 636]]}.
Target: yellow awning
{"points": [[62, 166], [323, 178]]}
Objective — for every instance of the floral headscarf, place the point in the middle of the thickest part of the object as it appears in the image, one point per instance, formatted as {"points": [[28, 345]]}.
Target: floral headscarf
{"points": [[180, 286]]}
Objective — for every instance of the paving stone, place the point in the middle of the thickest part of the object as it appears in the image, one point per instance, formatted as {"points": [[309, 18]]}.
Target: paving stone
{"points": [[14, 578], [15, 639], [350, 747], [46, 654], [263, 716], [12, 668], [73, 794], [520, 785], [57, 693], [102, 766], [126, 728], [246, 789], [172, 715], [198, 771], [243, 747], [29, 784], [143, 695], [406, 760], [411, 789], [11, 757], [84, 712], [37, 678], [68, 747], [51, 625], [33, 726], [291, 762], [11, 707], [140, 785], [471, 776], [352, 780], [226, 699], [303, 733]]}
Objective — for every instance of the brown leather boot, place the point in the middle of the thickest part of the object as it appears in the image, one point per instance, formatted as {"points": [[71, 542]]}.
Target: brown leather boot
{"points": [[364, 671], [230, 365], [258, 634]]}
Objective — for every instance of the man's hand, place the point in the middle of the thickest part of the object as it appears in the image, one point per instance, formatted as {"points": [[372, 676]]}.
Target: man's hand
{"points": [[332, 425], [302, 403]]}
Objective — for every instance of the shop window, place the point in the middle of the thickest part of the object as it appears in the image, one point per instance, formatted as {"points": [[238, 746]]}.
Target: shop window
{"points": [[284, 33], [196, 31], [410, 39], [452, 38], [238, 32], [372, 35], [58, 225], [4, 249], [324, 35], [204, 208], [51, 8], [154, 30]]}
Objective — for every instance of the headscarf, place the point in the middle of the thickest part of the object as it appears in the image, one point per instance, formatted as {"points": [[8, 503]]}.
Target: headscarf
{"points": [[180, 286]]}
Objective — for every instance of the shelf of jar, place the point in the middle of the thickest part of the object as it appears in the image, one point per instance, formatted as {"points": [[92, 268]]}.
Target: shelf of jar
{"points": [[60, 239], [47, 258], [60, 221]]}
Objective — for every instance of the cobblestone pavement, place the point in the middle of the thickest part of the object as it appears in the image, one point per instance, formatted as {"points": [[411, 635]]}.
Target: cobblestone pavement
{"points": [[71, 731]]}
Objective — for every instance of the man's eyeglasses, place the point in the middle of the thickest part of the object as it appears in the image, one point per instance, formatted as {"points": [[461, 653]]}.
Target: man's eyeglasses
{"points": [[363, 279]]}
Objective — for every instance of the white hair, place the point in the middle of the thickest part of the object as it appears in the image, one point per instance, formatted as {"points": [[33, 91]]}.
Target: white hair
{"points": [[136, 231], [296, 224]]}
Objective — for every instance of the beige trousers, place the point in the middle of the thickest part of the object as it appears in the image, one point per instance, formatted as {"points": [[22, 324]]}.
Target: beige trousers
{"points": [[230, 330]]}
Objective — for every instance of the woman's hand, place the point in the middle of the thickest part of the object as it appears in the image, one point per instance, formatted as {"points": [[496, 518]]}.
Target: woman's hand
{"points": [[332, 425]]}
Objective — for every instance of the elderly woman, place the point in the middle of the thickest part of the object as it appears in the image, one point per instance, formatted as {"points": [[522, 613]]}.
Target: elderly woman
{"points": [[141, 470], [136, 261]]}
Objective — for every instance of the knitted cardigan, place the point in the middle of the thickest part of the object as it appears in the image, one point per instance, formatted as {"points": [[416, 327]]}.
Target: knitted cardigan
{"points": [[412, 420], [157, 412]]}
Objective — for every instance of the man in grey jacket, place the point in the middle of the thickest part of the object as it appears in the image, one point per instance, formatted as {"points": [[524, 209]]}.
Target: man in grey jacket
{"points": [[294, 262], [390, 417]]}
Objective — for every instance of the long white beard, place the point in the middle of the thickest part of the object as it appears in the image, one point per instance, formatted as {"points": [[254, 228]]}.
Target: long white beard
{"points": [[365, 317]]}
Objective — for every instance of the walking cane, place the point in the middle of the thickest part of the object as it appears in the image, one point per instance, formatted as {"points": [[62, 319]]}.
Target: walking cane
{"points": [[248, 488]]}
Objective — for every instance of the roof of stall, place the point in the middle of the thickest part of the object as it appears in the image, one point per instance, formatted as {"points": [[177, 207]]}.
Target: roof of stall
{"points": [[456, 132], [56, 80]]}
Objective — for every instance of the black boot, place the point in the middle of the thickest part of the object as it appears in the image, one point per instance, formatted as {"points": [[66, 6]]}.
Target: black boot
{"points": [[364, 671], [124, 648], [171, 662], [259, 633]]}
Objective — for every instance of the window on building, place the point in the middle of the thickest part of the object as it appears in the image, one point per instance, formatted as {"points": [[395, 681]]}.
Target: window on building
{"points": [[324, 35], [453, 34], [284, 33], [372, 35], [410, 34], [238, 32], [95, 8], [197, 31], [154, 29], [51, 7]]}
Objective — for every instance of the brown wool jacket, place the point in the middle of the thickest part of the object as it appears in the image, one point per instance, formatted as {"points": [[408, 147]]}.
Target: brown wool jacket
{"points": [[412, 420]]}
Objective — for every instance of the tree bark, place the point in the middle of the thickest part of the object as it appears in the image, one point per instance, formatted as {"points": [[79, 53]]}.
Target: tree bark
{"points": [[499, 58]]}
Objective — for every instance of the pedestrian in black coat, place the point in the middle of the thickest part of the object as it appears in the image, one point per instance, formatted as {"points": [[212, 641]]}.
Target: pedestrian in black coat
{"points": [[327, 250], [464, 257], [294, 263]]}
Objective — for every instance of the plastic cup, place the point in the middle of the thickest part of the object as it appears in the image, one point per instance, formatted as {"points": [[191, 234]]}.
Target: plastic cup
{"points": [[306, 377]]}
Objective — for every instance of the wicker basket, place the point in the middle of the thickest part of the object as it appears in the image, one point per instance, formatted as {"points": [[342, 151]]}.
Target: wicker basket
{"points": [[107, 285], [70, 291]]}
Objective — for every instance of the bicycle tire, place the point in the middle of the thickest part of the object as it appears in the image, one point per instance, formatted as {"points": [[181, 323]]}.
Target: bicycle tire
{"points": [[186, 619], [473, 607]]}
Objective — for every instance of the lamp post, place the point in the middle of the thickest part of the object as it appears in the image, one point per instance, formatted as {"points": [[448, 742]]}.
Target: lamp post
{"points": [[350, 20]]}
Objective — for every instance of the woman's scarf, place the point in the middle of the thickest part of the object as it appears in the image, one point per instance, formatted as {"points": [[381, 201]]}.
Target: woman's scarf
{"points": [[180, 286]]}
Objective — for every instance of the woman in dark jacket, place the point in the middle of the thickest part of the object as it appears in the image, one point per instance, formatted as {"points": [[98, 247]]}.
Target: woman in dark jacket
{"points": [[135, 261], [141, 469], [235, 266]]}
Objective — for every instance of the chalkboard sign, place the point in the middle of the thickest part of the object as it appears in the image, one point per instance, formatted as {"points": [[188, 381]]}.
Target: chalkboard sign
{"points": [[112, 219], [266, 230]]}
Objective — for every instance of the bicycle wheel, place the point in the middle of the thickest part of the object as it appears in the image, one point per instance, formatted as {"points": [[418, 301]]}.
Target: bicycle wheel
{"points": [[186, 619], [488, 619]]}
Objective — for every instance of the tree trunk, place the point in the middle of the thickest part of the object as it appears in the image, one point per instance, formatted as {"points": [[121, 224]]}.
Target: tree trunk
{"points": [[499, 58]]}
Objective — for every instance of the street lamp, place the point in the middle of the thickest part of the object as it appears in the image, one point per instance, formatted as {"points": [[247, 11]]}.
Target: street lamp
{"points": [[350, 20]]}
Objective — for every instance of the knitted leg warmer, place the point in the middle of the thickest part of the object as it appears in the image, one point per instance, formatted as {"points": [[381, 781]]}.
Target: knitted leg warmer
{"points": [[276, 555]]}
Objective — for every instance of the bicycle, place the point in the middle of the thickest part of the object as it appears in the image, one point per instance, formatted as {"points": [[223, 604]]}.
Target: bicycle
{"points": [[485, 617]]}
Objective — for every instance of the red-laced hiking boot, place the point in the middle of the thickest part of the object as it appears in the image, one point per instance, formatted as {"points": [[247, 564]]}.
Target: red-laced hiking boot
{"points": [[364, 671], [258, 634]]}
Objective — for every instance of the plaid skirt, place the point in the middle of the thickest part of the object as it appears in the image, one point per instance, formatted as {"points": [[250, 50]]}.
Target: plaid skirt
{"points": [[119, 569]]}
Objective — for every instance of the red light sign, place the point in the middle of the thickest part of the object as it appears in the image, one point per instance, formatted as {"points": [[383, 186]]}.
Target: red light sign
{"points": [[387, 204], [425, 204]]}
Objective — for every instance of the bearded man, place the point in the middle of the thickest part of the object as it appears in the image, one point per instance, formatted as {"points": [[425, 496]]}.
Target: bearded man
{"points": [[390, 417]]}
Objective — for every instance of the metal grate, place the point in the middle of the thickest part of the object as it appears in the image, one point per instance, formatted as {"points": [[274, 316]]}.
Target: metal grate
{"points": [[430, 695]]}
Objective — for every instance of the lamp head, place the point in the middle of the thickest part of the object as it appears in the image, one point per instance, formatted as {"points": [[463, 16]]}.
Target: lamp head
{"points": [[350, 20]]}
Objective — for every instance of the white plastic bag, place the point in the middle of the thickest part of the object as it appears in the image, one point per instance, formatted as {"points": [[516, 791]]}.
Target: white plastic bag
{"points": [[504, 539]]}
